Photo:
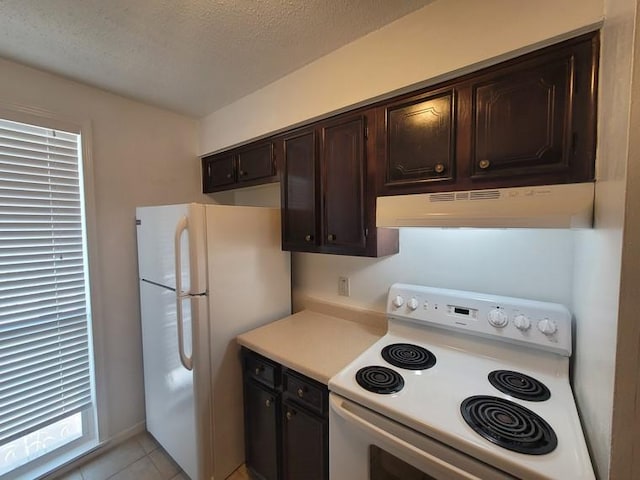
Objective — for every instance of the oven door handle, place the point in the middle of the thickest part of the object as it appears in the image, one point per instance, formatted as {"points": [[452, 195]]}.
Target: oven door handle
{"points": [[340, 407]]}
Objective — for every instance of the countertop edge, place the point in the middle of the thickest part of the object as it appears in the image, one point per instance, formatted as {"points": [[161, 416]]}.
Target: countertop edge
{"points": [[285, 362]]}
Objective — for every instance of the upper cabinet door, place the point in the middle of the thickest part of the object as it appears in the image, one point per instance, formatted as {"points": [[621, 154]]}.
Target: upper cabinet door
{"points": [[420, 138], [218, 171], [343, 163], [534, 117], [299, 205], [256, 162], [523, 120]]}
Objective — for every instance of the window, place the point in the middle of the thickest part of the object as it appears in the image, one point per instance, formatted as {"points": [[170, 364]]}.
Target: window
{"points": [[46, 379]]}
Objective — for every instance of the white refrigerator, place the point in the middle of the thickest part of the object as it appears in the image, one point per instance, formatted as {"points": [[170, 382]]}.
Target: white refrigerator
{"points": [[207, 273]]}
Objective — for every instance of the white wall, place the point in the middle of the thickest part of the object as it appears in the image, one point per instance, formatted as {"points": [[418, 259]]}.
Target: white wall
{"points": [[598, 252], [141, 155], [438, 41], [536, 264]]}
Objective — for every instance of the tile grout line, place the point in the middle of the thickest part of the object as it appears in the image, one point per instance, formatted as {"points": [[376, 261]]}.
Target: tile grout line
{"points": [[136, 460], [152, 448]]}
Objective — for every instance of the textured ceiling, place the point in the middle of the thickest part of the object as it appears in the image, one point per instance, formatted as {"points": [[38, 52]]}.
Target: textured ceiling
{"points": [[191, 56]]}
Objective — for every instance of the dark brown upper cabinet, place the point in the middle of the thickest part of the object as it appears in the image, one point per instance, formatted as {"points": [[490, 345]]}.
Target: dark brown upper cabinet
{"points": [[298, 191], [328, 191], [527, 121], [245, 166], [419, 140], [342, 161], [523, 116], [255, 162], [218, 172]]}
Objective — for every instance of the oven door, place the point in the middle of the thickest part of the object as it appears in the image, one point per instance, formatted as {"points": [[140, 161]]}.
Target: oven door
{"points": [[367, 446]]}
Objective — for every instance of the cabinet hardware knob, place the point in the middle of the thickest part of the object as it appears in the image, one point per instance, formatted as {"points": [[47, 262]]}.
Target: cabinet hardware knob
{"points": [[258, 370], [301, 392], [209, 169], [439, 167], [228, 175], [290, 414], [331, 237], [308, 238], [484, 164], [268, 402], [243, 173]]}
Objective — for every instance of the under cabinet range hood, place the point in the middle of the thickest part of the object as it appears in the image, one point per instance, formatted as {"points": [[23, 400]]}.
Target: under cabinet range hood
{"points": [[547, 206]]}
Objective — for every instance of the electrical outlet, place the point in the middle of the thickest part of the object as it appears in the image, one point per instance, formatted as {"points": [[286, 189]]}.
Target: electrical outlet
{"points": [[343, 286]]}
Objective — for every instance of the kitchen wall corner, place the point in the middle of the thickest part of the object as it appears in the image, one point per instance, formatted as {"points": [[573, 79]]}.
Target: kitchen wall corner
{"points": [[596, 280]]}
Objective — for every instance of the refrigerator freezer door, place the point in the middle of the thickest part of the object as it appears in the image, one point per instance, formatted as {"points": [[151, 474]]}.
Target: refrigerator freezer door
{"points": [[156, 232], [169, 389]]}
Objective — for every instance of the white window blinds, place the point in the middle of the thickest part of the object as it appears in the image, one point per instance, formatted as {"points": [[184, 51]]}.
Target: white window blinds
{"points": [[44, 343]]}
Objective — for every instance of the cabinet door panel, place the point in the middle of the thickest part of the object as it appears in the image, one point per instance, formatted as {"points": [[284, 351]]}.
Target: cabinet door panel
{"points": [[256, 162], [299, 191], [305, 445], [420, 140], [523, 121], [343, 184], [261, 431], [218, 171]]}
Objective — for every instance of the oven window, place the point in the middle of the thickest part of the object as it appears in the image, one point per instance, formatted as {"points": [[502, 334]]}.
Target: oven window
{"points": [[385, 466]]}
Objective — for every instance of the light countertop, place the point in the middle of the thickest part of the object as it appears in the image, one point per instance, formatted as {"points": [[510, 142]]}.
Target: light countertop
{"points": [[312, 343]]}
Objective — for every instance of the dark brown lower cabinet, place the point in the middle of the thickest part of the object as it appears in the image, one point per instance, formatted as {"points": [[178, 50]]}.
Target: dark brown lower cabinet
{"points": [[286, 422], [262, 416], [304, 445]]}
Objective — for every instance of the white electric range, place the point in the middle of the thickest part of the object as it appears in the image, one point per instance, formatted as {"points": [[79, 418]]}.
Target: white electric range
{"points": [[463, 386]]}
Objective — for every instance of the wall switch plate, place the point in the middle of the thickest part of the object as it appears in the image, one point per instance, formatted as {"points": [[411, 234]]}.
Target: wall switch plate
{"points": [[343, 286]]}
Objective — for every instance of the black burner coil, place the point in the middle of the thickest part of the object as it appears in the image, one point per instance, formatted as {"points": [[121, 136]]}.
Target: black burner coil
{"points": [[408, 356], [509, 425], [519, 385], [379, 380]]}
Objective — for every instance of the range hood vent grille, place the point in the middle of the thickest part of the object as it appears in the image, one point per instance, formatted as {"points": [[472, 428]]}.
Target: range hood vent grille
{"points": [[548, 206], [484, 195], [461, 196], [442, 197]]}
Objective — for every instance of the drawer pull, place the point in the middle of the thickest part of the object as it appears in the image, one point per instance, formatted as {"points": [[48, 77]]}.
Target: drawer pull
{"points": [[331, 237], [439, 167], [268, 402], [290, 414], [301, 392], [484, 164], [259, 370], [308, 238]]}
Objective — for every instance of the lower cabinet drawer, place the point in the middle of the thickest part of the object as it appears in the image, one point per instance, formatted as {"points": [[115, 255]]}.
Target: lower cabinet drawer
{"points": [[306, 392], [259, 368]]}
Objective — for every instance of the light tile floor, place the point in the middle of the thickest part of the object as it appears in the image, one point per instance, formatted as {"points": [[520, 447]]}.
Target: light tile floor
{"points": [[139, 458]]}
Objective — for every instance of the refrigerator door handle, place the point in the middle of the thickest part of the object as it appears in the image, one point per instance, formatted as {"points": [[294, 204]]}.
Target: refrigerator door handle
{"points": [[181, 227]]}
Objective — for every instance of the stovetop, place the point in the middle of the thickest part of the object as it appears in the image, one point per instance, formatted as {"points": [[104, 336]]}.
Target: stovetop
{"points": [[468, 372]]}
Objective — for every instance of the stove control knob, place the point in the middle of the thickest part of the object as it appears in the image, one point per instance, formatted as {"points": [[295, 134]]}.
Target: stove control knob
{"points": [[522, 322], [412, 303], [548, 327], [498, 318], [398, 301]]}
